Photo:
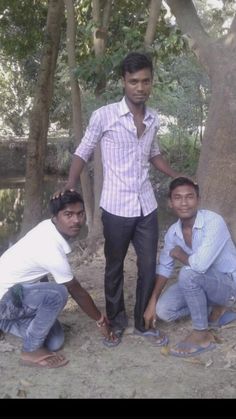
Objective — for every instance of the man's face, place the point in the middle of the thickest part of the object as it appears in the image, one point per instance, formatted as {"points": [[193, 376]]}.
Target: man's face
{"points": [[138, 86], [184, 202], [70, 220]]}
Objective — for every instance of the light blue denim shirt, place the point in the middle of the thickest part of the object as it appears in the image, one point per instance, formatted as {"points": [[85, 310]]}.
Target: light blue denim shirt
{"points": [[212, 245]]}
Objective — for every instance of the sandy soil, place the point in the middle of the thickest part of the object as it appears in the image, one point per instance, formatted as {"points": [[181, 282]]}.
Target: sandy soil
{"points": [[132, 370]]}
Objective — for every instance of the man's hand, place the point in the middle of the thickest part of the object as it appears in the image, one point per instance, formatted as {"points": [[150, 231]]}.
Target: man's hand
{"points": [[179, 254], [106, 330], [150, 315]]}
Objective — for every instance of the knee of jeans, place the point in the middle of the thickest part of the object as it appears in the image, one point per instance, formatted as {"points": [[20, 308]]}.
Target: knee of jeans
{"points": [[55, 342], [185, 276], [163, 313]]}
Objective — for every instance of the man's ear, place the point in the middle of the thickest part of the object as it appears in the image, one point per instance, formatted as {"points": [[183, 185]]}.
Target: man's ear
{"points": [[54, 219], [123, 81], [169, 203]]}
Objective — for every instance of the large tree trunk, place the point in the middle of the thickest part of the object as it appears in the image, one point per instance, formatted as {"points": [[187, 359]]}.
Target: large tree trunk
{"points": [[217, 164], [77, 111], [39, 118]]}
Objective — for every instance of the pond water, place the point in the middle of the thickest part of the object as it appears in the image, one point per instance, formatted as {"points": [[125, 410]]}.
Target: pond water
{"points": [[12, 205]]}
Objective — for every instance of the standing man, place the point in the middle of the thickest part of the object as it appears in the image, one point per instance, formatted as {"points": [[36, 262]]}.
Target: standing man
{"points": [[29, 308], [201, 241], [127, 131]]}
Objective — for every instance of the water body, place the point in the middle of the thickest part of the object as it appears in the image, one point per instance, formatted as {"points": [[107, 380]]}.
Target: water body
{"points": [[12, 206]]}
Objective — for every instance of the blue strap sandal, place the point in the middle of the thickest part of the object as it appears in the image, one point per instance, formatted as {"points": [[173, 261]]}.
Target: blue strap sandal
{"points": [[155, 337]]}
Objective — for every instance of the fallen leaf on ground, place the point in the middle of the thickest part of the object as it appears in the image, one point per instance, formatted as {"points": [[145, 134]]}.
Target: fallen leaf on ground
{"points": [[6, 347], [21, 393], [208, 363], [165, 350]]}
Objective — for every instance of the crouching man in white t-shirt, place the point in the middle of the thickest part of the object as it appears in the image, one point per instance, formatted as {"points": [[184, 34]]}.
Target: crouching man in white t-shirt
{"points": [[29, 308]]}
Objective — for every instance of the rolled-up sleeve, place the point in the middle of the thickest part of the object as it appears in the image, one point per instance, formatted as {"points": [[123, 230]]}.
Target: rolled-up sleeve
{"points": [[166, 262], [216, 235], [92, 136], [155, 150]]}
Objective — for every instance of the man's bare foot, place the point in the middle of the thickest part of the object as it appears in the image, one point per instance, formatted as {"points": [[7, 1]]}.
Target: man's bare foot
{"points": [[216, 313], [198, 341], [43, 358]]}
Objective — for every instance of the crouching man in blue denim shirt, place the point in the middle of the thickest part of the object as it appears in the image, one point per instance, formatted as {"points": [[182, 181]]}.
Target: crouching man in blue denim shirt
{"points": [[29, 308], [201, 241]]}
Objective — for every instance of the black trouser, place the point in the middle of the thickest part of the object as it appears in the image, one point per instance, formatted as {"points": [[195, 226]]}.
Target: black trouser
{"points": [[119, 232]]}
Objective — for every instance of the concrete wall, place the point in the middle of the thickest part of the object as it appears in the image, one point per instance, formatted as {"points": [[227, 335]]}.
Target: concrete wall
{"points": [[13, 157]]}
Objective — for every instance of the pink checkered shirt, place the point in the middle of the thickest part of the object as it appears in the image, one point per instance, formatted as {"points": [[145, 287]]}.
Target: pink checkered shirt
{"points": [[126, 186]]}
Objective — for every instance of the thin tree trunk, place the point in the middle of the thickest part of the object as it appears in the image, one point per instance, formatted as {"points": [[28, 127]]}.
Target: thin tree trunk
{"points": [[101, 21], [77, 110], [39, 118]]}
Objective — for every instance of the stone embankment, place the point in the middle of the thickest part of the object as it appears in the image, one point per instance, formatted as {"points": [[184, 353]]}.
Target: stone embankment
{"points": [[13, 156]]}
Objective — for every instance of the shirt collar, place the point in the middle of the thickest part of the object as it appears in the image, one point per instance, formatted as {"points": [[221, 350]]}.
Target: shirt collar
{"points": [[198, 223], [124, 110]]}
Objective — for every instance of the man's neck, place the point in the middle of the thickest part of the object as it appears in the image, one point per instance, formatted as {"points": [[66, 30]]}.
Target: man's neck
{"points": [[136, 109], [189, 222]]}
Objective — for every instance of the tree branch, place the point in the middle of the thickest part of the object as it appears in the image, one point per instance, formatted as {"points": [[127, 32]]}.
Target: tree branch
{"points": [[188, 20], [154, 13]]}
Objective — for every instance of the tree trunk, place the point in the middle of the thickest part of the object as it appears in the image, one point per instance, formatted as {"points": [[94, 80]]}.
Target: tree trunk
{"points": [[39, 118], [77, 111], [217, 164], [101, 21]]}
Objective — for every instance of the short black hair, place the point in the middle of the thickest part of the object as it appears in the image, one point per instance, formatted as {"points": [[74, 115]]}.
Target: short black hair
{"points": [[180, 181], [136, 61], [63, 199]]}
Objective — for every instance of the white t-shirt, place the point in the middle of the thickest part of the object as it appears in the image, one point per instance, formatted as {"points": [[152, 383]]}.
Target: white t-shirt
{"points": [[41, 251]]}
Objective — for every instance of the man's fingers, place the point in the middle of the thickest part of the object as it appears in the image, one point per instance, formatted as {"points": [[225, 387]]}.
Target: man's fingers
{"points": [[154, 323], [146, 323], [57, 194]]}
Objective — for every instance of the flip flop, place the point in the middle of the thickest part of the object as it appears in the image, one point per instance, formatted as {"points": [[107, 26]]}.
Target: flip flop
{"points": [[154, 336], [111, 343], [188, 345], [41, 362], [227, 317]]}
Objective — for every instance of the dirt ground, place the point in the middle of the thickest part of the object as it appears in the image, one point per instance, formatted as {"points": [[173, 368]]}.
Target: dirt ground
{"points": [[133, 370]]}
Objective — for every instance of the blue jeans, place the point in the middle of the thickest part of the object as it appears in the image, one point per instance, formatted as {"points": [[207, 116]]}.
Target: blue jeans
{"points": [[194, 293], [119, 232], [35, 320]]}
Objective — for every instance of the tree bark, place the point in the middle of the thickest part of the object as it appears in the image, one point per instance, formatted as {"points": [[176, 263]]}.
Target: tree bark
{"points": [[39, 118], [77, 109]]}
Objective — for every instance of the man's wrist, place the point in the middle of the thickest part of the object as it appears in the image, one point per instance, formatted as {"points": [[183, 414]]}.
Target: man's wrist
{"points": [[101, 322]]}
